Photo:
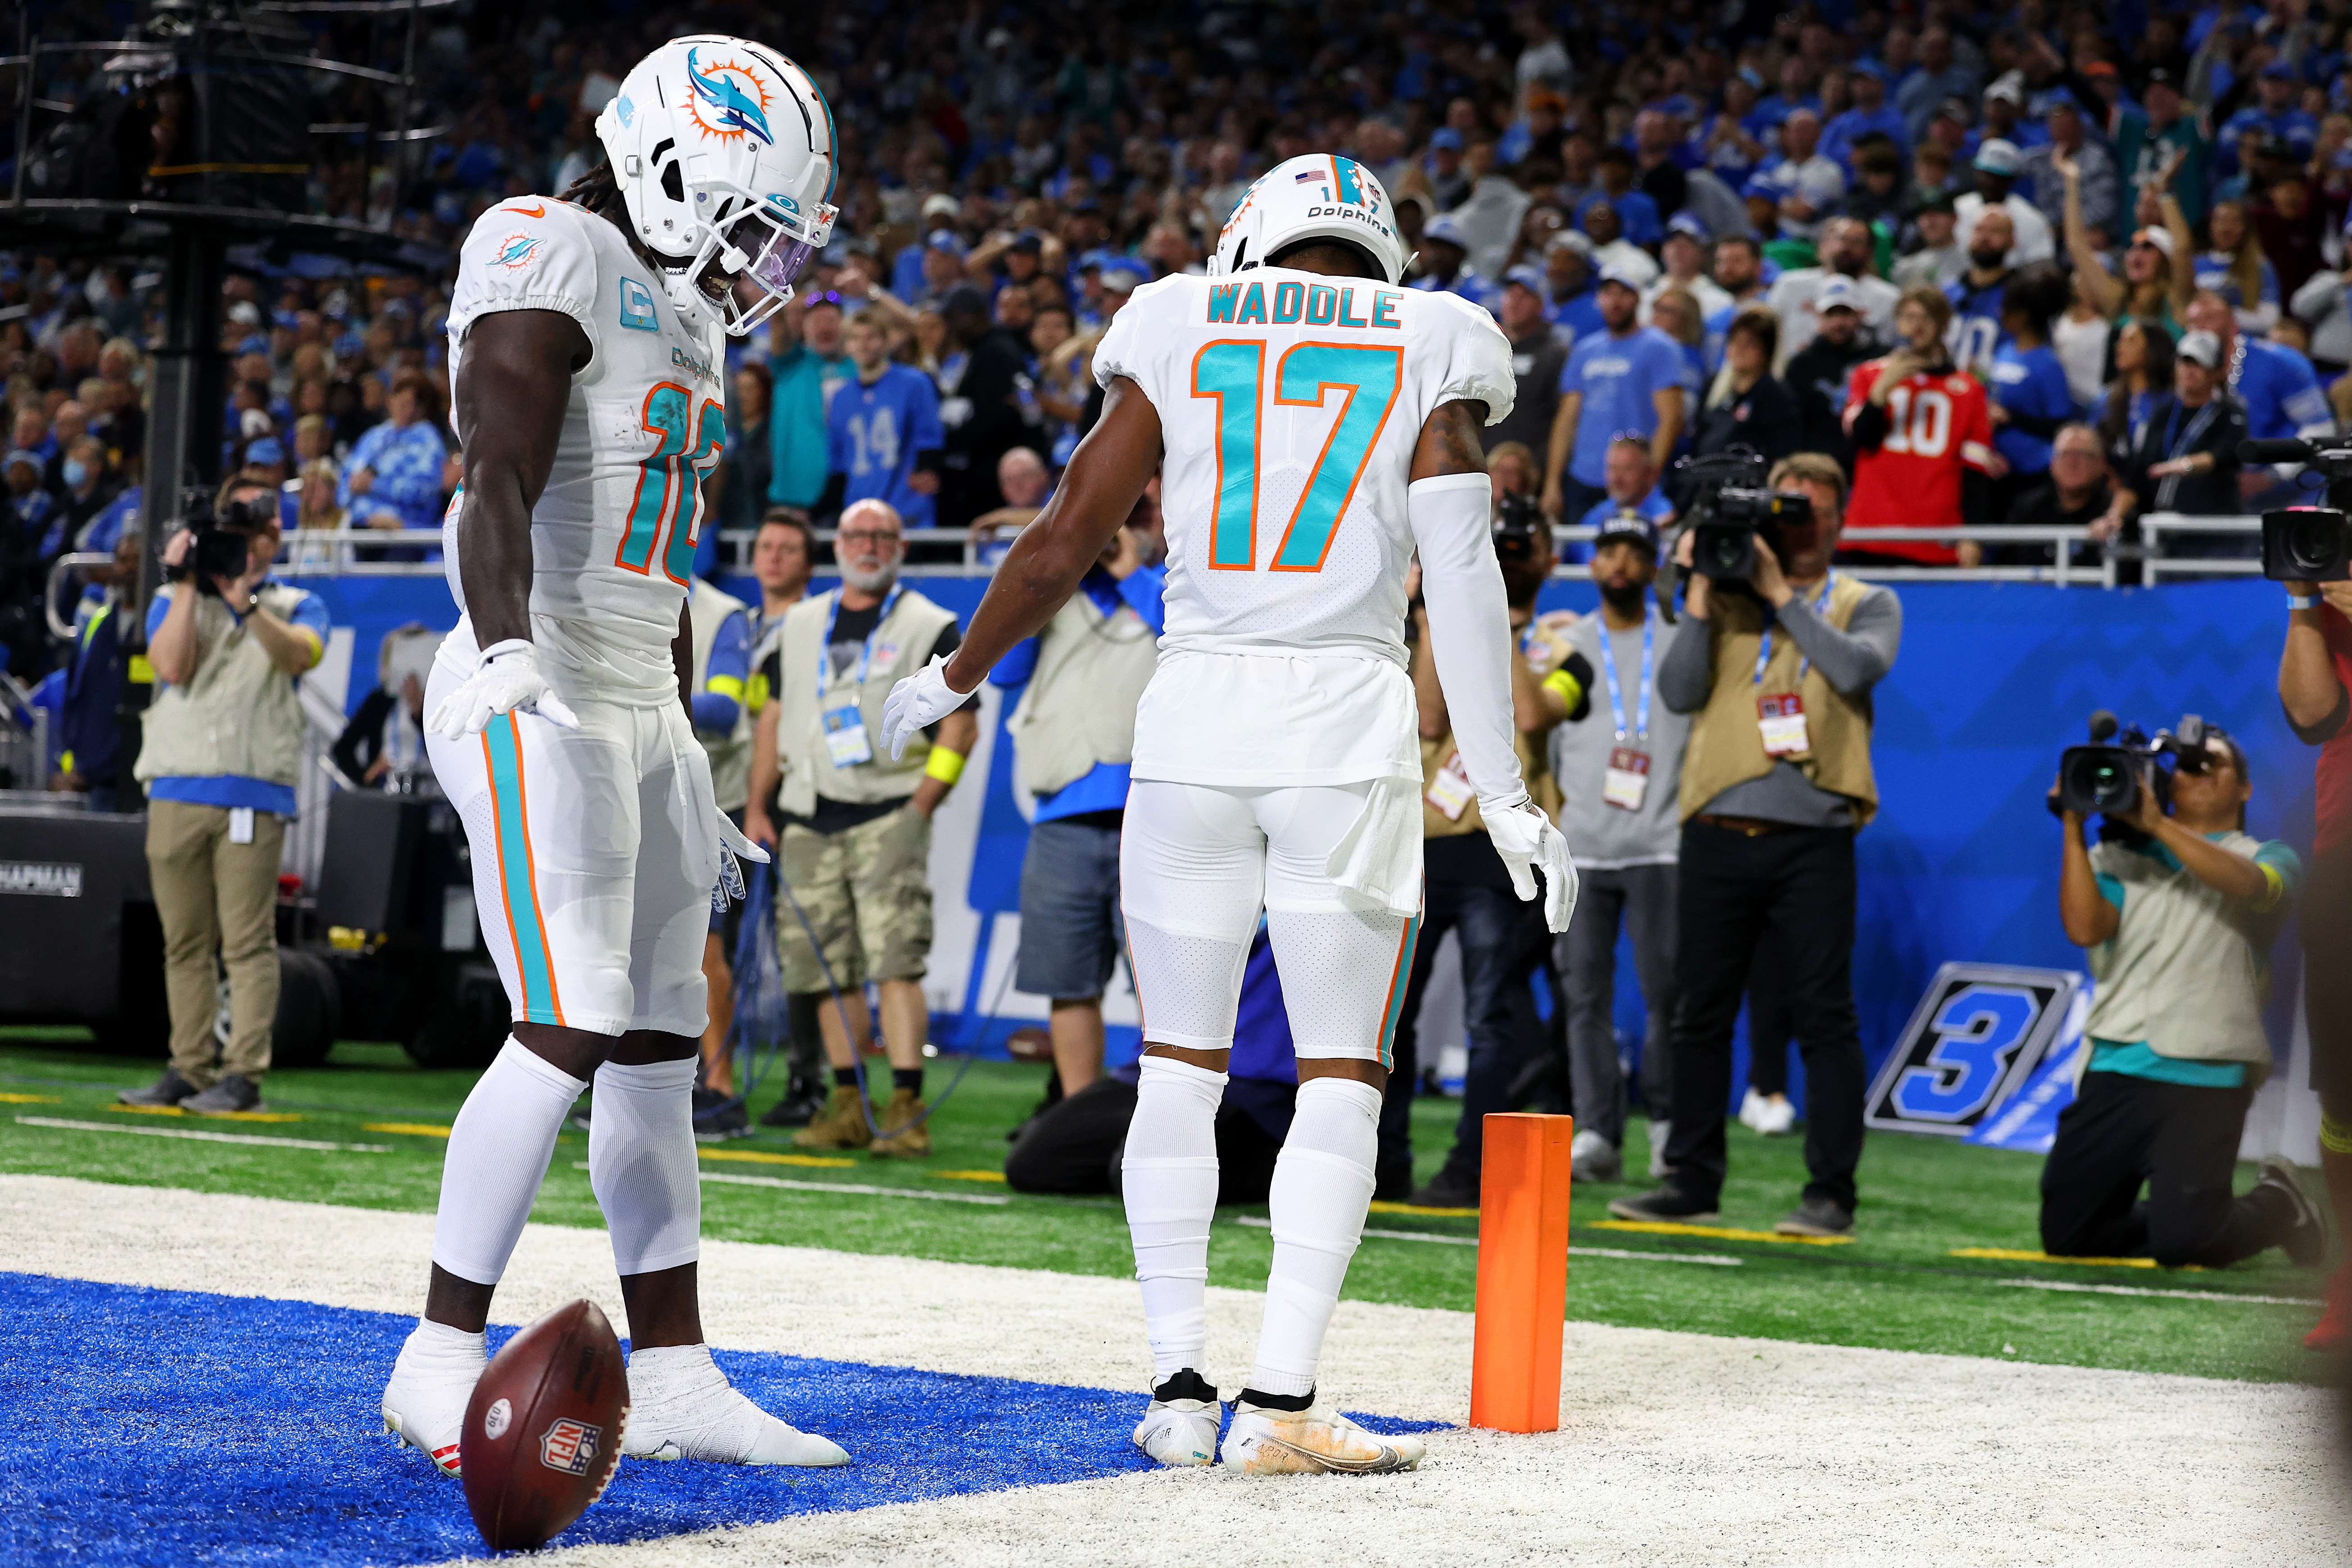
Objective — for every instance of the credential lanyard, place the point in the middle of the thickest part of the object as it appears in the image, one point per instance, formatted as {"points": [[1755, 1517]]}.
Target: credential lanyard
{"points": [[1764, 650], [1616, 698], [865, 649]]}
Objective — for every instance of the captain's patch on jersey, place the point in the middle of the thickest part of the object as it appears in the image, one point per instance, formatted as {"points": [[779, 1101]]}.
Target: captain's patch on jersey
{"points": [[517, 251]]}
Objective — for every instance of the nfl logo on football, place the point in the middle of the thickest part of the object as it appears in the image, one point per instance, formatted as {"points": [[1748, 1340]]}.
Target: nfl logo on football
{"points": [[569, 1445]]}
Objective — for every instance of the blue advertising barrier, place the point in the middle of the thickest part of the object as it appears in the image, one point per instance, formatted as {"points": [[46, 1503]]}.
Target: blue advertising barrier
{"points": [[1961, 862]]}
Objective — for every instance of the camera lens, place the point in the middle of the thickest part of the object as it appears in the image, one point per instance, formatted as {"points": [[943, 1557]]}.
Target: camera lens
{"points": [[1725, 552], [2314, 540]]}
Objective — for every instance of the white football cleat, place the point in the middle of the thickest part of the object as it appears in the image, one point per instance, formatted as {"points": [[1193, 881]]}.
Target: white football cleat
{"points": [[1777, 1117], [681, 1406], [1181, 1431], [1751, 1107], [1310, 1442], [433, 1380]]}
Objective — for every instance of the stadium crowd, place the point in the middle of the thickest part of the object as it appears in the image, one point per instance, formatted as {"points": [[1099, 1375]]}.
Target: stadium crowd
{"points": [[1941, 264]]}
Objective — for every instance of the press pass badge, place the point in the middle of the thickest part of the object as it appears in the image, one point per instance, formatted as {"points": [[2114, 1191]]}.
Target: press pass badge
{"points": [[1450, 791], [1626, 783], [240, 824], [1782, 719], [845, 736]]}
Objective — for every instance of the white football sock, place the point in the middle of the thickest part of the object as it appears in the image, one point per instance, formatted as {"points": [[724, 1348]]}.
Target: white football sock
{"points": [[498, 1150], [1169, 1177], [1322, 1188], [641, 1163]]}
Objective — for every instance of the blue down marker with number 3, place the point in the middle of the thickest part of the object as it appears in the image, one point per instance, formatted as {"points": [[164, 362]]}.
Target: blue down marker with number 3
{"points": [[1978, 1033]]}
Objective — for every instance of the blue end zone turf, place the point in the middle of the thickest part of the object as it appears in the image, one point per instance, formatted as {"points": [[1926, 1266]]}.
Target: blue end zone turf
{"points": [[172, 1426]]}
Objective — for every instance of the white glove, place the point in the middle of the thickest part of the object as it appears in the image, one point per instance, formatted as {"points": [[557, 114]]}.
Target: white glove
{"points": [[1524, 837], [918, 703], [506, 681], [733, 845]]}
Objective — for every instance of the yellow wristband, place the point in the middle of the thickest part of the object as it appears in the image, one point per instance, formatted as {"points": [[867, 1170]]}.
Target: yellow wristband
{"points": [[1569, 689], [945, 765]]}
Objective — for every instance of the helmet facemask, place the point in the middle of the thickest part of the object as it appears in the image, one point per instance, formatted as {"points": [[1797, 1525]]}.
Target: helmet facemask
{"points": [[755, 242]]}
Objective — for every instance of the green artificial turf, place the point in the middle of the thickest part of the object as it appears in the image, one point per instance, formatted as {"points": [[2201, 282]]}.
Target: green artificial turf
{"points": [[1898, 1286]]}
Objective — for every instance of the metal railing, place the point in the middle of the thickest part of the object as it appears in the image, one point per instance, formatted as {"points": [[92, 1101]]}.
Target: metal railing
{"points": [[2155, 527]]}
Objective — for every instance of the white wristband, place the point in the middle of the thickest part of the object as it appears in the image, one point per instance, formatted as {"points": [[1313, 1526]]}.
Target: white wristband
{"points": [[2303, 602]]}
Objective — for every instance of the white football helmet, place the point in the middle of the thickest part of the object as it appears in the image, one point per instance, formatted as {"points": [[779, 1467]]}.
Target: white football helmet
{"points": [[1319, 195], [723, 148]]}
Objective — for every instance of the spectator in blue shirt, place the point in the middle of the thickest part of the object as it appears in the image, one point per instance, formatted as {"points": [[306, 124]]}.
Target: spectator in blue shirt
{"points": [[2273, 114], [1074, 687], [1871, 113], [392, 478], [884, 436], [1638, 217], [1570, 303], [2236, 268], [1630, 488], [2274, 384], [1445, 264], [2030, 397], [1627, 380], [906, 279]]}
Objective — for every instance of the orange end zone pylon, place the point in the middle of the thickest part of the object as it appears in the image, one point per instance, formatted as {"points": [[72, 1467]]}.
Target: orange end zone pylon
{"points": [[1522, 1273]]}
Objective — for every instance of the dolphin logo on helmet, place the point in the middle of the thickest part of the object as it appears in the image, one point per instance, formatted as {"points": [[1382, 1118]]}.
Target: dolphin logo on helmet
{"points": [[737, 112]]}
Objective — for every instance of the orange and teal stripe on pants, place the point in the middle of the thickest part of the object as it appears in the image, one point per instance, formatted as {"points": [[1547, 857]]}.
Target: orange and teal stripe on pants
{"points": [[517, 885], [1395, 1008]]}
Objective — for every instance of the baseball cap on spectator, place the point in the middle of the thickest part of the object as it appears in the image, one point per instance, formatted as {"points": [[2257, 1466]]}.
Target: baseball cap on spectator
{"points": [[1574, 239], [2154, 236], [2274, 148], [253, 343], [245, 314], [1446, 139], [1999, 157], [30, 459], [945, 239], [964, 297], [1124, 276], [2058, 98], [1870, 68], [2201, 348], [1446, 230], [1957, 110], [2010, 88], [1765, 183], [1689, 224], [1094, 261], [2279, 70], [1527, 275], [1628, 528], [1940, 202], [2160, 77], [1028, 242], [2101, 71], [1624, 277], [265, 451], [940, 206], [1838, 293]]}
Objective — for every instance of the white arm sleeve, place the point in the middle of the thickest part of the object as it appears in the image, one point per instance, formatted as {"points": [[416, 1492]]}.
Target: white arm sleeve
{"points": [[1469, 627]]}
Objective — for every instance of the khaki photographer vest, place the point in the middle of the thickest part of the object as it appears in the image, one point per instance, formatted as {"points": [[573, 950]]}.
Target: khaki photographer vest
{"points": [[238, 716], [730, 754], [2188, 967], [901, 645], [1727, 747], [1079, 709]]}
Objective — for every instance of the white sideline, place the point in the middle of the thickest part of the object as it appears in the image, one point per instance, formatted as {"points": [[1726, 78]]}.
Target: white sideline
{"points": [[1674, 1448]]}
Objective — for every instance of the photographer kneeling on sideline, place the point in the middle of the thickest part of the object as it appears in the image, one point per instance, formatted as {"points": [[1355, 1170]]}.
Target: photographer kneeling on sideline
{"points": [[221, 749], [2178, 913], [1776, 781]]}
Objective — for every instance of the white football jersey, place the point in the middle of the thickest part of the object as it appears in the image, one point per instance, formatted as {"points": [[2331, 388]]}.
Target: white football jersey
{"points": [[613, 533], [1290, 404]]}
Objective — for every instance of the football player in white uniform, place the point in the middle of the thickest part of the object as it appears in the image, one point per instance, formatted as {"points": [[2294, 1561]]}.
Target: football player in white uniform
{"points": [[586, 356], [1320, 424]]}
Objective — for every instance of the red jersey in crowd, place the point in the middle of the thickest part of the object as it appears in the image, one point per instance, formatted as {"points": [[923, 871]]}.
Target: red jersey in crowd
{"points": [[1938, 424]]}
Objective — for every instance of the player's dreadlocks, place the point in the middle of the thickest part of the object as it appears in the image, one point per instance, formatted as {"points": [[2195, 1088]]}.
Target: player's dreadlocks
{"points": [[598, 192]]}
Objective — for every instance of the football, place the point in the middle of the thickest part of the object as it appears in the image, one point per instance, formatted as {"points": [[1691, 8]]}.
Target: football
{"points": [[543, 1433]]}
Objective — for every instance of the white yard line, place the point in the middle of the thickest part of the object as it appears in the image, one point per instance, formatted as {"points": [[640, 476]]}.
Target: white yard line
{"points": [[1672, 1448], [201, 1137], [1718, 1260], [2175, 1295]]}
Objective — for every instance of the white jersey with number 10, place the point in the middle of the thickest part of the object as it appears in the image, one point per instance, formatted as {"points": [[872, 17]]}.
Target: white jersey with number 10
{"points": [[1290, 405]]}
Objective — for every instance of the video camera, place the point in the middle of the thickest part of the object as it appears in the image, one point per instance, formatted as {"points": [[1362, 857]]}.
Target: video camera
{"points": [[1518, 525], [2306, 543], [2105, 777], [1731, 511], [222, 542]]}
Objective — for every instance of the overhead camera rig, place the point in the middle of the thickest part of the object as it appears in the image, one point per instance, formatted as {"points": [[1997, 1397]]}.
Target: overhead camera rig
{"points": [[196, 151]]}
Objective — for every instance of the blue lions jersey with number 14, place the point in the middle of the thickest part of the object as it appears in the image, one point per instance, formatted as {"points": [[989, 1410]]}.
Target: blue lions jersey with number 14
{"points": [[613, 534]]}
